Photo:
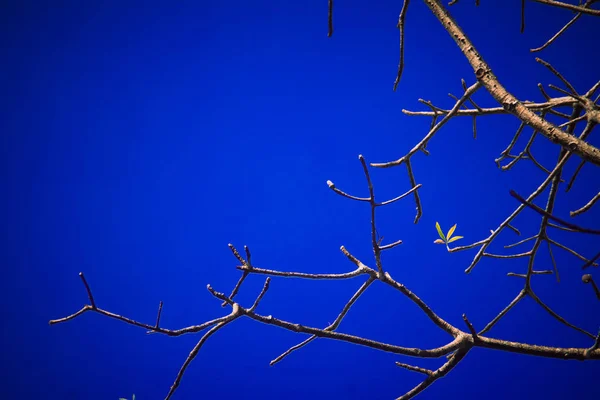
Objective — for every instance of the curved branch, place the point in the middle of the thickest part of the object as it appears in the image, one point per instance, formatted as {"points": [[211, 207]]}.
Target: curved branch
{"points": [[435, 375]]}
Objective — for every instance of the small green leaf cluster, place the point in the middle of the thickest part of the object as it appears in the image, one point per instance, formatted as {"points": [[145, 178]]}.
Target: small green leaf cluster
{"points": [[448, 238]]}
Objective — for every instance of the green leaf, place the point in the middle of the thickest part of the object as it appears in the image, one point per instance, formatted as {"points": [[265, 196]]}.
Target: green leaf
{"points": [[438, 241], [450, 232], [437, 226], [454, 239]]}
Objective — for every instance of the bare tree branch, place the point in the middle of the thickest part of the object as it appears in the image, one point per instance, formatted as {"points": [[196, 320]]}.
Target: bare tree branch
{"points": [[586, 207], [484, 75], [400, 26], [552, 217], [580, 9], [584, 109], [330, 19], [564, 28]]}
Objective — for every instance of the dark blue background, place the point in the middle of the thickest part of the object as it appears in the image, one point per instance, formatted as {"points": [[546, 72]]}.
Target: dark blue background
{"points": [[139, 138]]}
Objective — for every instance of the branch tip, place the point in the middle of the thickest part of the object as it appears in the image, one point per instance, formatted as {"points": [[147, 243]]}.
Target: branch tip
{"points": [[88, 290]]}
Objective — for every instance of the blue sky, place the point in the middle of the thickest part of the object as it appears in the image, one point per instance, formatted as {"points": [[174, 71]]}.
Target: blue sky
{"points": [[139, 139]]}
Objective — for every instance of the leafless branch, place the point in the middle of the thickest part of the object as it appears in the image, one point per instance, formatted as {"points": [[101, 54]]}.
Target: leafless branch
{"points": [[579, 9], [484, 75], [400, 26], [552, 217], [530, 114], [586, 207], [330, 19], [158, 315], [564, 28], [588, 279]]}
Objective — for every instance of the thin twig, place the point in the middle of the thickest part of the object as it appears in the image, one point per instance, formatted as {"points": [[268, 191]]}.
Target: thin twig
{"points": [[88, 290], [586, 207], [160, 305], [563, 29], [552, 217], [330, 19], [571, 7], [400, 26]]}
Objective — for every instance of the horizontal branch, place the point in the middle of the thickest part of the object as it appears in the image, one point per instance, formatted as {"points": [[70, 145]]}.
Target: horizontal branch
{"points": [[473, 112], [563, 353], [572, 7], [344, 337], [286, 274], [150, 328]]}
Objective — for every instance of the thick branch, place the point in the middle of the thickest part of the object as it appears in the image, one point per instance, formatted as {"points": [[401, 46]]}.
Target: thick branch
{"points": [[484, 74], [568, 353]]}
